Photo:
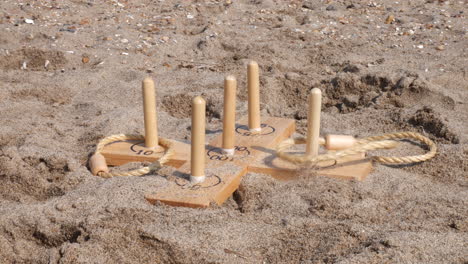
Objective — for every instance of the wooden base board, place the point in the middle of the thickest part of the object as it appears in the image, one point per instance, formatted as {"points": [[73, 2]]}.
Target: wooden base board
{"points": [[122, 152], [223, 173], [219, 184], [355, 167], [254, 153]]}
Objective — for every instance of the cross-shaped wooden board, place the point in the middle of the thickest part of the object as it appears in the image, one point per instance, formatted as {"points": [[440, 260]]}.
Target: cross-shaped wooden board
{"points": [[254, 153], [223, 173]]}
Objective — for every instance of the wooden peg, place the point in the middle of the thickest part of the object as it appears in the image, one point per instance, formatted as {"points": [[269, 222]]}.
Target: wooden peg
{"points": [[313, 122], [229, 118], [339, 142], [197, 166], [149, 108], [253, 84], [97, 164]]}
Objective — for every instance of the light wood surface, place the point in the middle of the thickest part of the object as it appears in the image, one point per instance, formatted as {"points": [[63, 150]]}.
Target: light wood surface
{"points": [[230, 171], [253, 87], [219, 184], [229, 114], [355, 167], [254, 153], [123, 152], [313, 122], [149, 109], [197, 156]]}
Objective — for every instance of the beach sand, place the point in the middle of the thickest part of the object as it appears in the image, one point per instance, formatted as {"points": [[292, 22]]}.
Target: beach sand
{"points": [[70, 75]]}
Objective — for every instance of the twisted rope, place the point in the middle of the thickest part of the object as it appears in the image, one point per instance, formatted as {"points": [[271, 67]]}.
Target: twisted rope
{"points": [[168, 145], [386, 141]]}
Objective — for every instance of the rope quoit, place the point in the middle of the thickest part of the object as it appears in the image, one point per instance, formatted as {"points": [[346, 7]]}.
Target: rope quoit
{"points": [[386, 141], [168, 145]]}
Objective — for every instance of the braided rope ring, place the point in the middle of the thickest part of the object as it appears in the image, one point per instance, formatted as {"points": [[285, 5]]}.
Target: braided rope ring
{"points": [[386, 141], [167, 144]]}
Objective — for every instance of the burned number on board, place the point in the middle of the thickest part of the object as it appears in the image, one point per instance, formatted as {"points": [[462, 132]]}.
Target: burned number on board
{"points": [[216, 153], [142, 151]]}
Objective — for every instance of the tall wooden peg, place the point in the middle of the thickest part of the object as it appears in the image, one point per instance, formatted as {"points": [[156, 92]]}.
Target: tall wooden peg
{"points": [[197, 165], [253, 87], [229, 118], [313, 122], [149, 108]]}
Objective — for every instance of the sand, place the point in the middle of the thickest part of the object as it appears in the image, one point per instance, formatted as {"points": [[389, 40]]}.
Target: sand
{"points": [[70, 74]]}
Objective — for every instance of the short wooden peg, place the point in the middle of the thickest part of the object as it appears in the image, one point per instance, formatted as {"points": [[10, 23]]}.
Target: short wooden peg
{"points": [[313, 122], [197, 166], [149, 108], [253, 87], [229, 118], [339, 142]]}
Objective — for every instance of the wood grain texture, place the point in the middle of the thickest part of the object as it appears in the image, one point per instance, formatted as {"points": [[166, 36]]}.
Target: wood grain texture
{"points": [[253, 153], [355, 167], [224, 173], [123, 152]]}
